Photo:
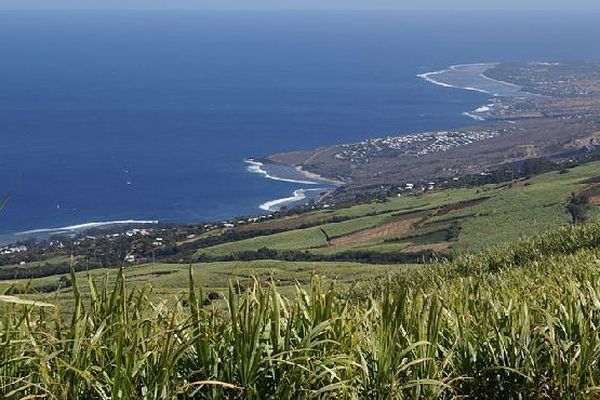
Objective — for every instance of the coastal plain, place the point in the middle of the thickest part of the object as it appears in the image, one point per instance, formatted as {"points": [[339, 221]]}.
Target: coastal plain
{"points": [[555, 115]]}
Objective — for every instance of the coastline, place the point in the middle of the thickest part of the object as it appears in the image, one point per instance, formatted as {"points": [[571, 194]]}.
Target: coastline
{"points": [[503, 89], [298, 196], [473, 74], [291, 174], [353, 162], [254, 166], [44, 233], [258, 167], [428, 77], [299, 175], [480, 113], [86, 226]]}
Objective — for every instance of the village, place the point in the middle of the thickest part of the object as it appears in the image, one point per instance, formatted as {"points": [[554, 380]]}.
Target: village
{"points": [[416, 145], [570, 80], [13, 249], [138, 244], [118, 245]]}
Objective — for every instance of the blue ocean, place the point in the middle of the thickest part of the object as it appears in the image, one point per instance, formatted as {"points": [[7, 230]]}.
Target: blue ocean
{"points": [[131, 115]]}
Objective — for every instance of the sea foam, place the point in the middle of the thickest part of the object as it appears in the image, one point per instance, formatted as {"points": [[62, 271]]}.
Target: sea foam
{"points": [[86, 226], [500, 89], [257, 168], [428, 76], [278, 204]]}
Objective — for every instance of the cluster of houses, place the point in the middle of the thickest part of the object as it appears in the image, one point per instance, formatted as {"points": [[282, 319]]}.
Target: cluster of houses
{"points": [[129, 233], [558, 80], [14, 249], [240, 221], [154, 237], [412, 187], [415, 145]]}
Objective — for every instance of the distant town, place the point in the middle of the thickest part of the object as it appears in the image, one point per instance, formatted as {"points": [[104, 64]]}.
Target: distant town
{"points": [[557, 121], [108, 245], [416, 145]]}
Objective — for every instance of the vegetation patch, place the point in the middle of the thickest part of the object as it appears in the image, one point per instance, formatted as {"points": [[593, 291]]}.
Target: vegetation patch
{"points": [[517, 321]]}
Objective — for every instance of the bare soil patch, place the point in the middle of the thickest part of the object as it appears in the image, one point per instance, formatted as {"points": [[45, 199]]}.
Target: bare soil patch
{"points": [[400, 226], [591, 193], [595, 200], [287, 222], [460, 205], [523, 182], [392, 228], [430, 246]]}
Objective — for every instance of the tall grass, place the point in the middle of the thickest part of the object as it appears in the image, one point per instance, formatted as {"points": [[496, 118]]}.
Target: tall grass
{"points": [[518, 322]]}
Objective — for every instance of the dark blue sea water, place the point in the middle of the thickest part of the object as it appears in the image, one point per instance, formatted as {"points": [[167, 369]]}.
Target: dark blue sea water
{"points": [[150, 115]]}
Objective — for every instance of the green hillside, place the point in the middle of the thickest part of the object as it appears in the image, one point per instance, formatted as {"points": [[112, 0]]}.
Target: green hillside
{"points": [[479, 217]]}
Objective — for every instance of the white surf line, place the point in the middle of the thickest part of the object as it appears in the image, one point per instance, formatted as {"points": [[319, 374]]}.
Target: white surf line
{"points": [[299, 195], [256, 167], [428, 77], [89, 225], [475, 113], [473, 116]]}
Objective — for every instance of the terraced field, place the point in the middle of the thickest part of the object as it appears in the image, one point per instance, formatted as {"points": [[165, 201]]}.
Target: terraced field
{"points": [[355, 243], [453, 220]]}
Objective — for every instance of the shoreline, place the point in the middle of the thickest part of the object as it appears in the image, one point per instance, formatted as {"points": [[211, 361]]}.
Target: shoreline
{"points": [[481, 113], [270, 205], [315, 176], [298, 196], [260, 166], [43, 233], [85, 226], [256, 167], [427, 76]]}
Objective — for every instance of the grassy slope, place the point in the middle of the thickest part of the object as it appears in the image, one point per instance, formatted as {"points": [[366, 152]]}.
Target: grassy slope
{"points": [[513, 210], [526, 210], [170, 281], [313, 237]]}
